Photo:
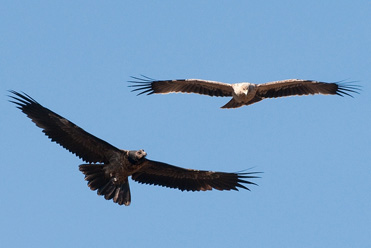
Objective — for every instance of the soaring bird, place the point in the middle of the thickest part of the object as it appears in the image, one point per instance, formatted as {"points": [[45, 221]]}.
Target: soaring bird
{"points": [[242, 93], [108, 168]]}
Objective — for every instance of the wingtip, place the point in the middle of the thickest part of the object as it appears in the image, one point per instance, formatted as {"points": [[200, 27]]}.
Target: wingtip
{"points": [[21, 99], [242, 179], [142, 79], [345, 88]]}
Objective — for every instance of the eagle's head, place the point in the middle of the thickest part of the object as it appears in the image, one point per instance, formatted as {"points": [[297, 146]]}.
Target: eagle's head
{"points": [[242, 89], [245, 88], [137, 157]]}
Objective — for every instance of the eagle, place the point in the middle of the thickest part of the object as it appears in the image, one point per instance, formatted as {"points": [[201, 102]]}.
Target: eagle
{"points": [[108, 168], [242, 93]]}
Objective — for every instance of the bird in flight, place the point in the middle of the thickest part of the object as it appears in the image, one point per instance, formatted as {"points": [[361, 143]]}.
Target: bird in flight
{"points": [[108, 168], [242, 93]]}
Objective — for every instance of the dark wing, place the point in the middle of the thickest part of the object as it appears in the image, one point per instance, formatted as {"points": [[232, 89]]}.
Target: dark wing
{"points": [[300, 87], [86, 146], [198, 86], [166, 175]]}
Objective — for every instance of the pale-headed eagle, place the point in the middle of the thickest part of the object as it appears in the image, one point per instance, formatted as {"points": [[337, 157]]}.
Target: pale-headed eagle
{"points": [[108, 167], [242, 93]]}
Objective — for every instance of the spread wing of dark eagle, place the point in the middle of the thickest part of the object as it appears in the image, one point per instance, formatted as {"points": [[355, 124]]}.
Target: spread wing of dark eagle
{"points": [[242, 93], [162, 174], [108, 167]]}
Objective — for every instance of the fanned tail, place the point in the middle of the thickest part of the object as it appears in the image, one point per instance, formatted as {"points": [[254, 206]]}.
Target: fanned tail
{"points": [[106, 186], [233, 104]]}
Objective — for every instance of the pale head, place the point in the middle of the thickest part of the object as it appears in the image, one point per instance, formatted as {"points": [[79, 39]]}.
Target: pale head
{"points": [[136, 157], [242, 88]]}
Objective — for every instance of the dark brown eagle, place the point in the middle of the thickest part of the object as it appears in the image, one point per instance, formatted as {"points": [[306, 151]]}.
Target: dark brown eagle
{"points": [[108, 167], [242, 93]]}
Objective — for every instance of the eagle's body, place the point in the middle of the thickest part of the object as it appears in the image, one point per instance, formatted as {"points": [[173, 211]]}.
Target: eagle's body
{"points": [[108, 168], [242, 93]]}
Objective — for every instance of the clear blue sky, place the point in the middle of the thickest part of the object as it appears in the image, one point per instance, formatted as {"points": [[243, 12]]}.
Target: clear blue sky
{"points": [[75, 57]]}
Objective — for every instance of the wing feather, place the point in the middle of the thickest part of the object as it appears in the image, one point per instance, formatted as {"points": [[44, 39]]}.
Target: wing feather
{"points": [[291, 87], [73, 138], [211, 88], [162, 174]]}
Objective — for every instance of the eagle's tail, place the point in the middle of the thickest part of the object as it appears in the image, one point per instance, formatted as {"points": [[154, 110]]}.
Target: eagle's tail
{"points": [[233, 104], [107, 186]]}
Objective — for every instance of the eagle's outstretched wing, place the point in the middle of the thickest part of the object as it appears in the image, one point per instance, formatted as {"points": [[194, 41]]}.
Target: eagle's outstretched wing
{"points": [[81, 143], [198, 86], [166, 175], [291, 87]]}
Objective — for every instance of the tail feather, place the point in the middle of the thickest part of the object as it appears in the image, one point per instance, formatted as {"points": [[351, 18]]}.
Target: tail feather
{"points": [[107, 190], [233, 104], [96, 183], [122, 195], [106, 186]]}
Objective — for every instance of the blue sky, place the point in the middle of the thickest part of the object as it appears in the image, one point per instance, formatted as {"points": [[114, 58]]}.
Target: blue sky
{"points": [[75, 58]]}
